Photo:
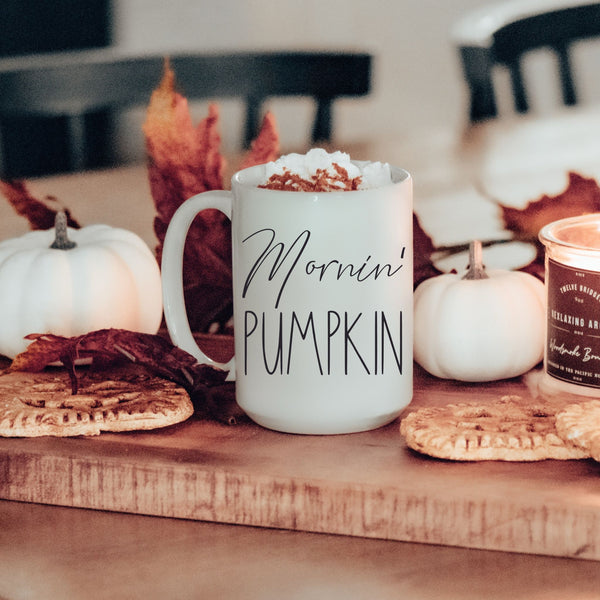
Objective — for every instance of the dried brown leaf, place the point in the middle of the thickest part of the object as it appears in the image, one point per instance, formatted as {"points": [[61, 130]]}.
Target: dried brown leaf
{"points": [[40, 214], [211, 395], [581, 196], [423, 251], [265, 148]]}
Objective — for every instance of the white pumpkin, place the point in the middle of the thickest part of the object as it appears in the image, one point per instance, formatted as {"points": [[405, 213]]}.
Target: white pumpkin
{"points": [[109, 278], [479, 326]]}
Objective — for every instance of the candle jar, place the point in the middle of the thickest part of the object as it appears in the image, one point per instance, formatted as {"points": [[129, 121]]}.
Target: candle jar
{"points": [[572, 354]]}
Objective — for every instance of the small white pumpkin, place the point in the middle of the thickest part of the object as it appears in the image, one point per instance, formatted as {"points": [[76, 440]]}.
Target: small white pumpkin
{"points": [[479, 326], [72, 281]]}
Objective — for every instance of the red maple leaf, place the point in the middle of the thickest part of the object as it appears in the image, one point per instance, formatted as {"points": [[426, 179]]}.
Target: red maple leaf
{"points": [[265, 148], [581, 196], [184, 160], [423, 249], [40, 214]]}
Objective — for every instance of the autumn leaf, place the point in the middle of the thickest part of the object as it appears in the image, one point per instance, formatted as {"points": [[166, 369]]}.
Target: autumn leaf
{"points": [[211, 395], [40, 214], [423, 251], [265, 148], [581, 196], [184, 160]]}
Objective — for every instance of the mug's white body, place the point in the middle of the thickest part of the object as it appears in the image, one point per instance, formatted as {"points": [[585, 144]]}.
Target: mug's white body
{"points": [[323, 287]]}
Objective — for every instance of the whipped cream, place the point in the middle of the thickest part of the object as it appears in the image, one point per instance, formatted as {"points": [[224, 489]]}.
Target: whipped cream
{"points": [[306, 166]]}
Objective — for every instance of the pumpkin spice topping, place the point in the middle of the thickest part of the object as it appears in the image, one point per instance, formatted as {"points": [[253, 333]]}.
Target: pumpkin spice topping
{"points": [[321, 181]]}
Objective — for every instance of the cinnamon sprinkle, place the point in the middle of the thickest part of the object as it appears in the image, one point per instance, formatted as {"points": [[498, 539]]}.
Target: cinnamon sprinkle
{"points": [[321, 181]]}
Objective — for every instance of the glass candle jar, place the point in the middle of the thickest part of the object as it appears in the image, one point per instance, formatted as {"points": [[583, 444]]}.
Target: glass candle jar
{"points": [[572, 355]]}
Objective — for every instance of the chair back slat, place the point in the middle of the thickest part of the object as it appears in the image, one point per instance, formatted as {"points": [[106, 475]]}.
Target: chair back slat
{"points": [[502, 34], [80, 83]]}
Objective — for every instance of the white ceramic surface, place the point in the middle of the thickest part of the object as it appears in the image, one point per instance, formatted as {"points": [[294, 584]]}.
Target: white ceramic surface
{"points": [[322, 302]]}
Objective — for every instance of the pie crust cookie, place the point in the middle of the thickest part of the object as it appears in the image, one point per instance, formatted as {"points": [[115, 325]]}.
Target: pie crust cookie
{"points": [[123, 400], [509, 429], [580, 425]]}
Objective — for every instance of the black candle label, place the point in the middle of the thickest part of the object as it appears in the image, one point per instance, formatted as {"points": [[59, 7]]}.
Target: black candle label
{"points": [[573, 338]]}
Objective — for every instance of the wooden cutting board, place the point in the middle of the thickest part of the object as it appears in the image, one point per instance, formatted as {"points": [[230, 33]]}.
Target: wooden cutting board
{"points": [[366, 484]]}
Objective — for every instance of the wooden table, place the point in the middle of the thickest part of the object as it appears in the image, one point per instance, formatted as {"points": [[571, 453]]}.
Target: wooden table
{"points": [[58, 552], [63, 553]]}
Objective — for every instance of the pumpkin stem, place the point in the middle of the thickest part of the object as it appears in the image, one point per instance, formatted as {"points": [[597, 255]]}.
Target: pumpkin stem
{"points": [[61, 240], [476, 269]]}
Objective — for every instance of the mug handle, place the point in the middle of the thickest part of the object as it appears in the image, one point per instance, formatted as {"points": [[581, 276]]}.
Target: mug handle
{"points": [[172, 273]]}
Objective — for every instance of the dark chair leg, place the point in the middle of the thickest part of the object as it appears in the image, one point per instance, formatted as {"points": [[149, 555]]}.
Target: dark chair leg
{"points": [[252, 125], [477, 67], [77, 147], [322, 125], [566, 76], [516, 77], [3, 165]]}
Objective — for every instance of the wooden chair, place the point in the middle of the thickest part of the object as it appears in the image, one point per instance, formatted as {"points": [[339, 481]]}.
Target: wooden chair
{"points": [[75, 85], [501, 34]]}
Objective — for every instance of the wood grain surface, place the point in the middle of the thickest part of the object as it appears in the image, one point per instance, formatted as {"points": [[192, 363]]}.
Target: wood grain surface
{"points": [[366, 484]]}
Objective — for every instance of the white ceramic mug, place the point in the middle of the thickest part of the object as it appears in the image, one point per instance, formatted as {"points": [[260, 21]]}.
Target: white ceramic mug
{"points": [[323, 287]]}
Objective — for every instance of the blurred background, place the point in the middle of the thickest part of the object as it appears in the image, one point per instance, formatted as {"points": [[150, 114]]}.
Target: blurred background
{"points": [[417, 80], [416, 74]]}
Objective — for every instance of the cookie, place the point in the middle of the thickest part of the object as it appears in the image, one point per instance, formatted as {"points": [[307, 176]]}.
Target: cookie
{"points": [[509, 429], [580, 424], [127, 400]]}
